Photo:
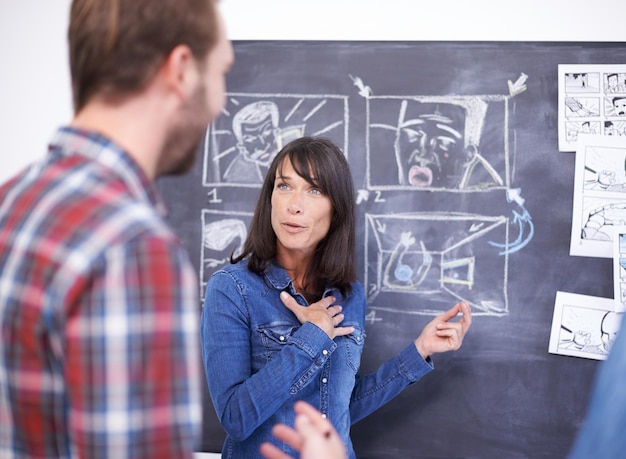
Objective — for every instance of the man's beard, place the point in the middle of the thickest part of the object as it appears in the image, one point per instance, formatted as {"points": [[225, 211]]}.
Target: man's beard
{"points": [[183, 142]]}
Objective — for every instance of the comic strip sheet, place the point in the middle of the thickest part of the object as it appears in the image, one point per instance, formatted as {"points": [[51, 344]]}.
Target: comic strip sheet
{"points": [[592, 124], [599, 194], [583, 326], [592, 100], [619, 268]]}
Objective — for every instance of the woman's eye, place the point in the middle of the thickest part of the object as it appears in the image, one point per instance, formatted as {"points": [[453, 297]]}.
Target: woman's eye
{"points": [[316, 191]]}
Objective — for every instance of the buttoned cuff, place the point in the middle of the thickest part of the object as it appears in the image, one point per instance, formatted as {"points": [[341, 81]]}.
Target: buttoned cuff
{"points": [[314, 341], [412, 364]]}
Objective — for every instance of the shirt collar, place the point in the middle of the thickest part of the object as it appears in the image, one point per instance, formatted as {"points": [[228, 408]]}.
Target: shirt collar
{"points": [[277, 276], [69, 141], [280, 280]]}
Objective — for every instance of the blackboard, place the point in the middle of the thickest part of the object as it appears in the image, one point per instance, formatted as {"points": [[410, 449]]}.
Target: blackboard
{"points": [[495, 233]]}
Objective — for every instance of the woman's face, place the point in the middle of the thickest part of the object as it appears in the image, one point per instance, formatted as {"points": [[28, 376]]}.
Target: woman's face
{"points": [[301, 213]]}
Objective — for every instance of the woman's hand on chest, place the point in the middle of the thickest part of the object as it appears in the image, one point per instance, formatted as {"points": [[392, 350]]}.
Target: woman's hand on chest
{"points": [[325, 314]]}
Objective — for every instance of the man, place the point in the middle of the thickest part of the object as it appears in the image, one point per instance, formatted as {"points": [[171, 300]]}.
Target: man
{"points": [[602, 434], [313, 436], [99, 352]]}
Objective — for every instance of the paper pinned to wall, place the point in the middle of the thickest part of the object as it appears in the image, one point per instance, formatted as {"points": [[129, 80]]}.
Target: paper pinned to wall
{"points": [[599, 203], [592, 100], [583, 326], [619, 267]]}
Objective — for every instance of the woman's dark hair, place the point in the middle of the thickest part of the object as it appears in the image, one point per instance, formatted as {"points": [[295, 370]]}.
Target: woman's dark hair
{"points": [[321, 163]]}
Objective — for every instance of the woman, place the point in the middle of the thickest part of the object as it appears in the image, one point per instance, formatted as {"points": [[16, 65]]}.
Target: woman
{"points": [[285, 321]]}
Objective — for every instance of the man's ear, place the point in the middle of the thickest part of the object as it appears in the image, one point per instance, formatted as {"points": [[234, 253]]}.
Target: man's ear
{"points": [[179, 71]]}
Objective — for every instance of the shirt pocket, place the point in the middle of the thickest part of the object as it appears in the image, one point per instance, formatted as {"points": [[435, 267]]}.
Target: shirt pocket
{"points": [[275, 336], [353, 344]]}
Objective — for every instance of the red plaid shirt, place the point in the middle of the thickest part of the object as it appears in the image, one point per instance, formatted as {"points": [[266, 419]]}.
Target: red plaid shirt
{"points": [[99, 355]]}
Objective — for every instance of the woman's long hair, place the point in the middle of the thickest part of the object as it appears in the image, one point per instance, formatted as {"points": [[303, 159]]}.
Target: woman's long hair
{"points": [[322, 164]]}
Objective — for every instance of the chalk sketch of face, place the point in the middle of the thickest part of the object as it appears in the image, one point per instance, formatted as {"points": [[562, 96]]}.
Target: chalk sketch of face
{"points": [[417, 167], [256, 127], [427, 150]]}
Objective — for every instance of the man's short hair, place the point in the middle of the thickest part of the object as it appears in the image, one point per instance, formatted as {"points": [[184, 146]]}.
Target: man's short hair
{"points": [[116, 46]]}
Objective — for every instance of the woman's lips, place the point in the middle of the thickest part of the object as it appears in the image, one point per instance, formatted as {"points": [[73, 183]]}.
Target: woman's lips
{"points": [[293, 227]]}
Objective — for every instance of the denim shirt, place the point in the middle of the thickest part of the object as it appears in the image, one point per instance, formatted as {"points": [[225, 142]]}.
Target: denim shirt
{"points": [[259, 360]]}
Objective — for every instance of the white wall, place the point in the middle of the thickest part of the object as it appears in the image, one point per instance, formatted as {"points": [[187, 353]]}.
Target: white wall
{"points": [[34, 80], [35, 95], [445, 20]]}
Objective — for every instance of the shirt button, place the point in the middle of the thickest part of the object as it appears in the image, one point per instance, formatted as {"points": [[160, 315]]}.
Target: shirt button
{"points": [[282, 338], [324, 380], [325, 352], [324, 415]]}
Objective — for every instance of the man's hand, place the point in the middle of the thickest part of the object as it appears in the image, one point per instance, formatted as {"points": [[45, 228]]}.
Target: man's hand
{"points": [[314, 437]]}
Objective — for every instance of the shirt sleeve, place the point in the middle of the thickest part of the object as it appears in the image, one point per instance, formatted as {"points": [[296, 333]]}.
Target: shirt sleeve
{"points": [[132, 354], [373, 390], [376, 389], [243, 401]]}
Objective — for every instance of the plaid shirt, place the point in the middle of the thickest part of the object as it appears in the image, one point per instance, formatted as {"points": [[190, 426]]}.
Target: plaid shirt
{"points": [[99, 352]]}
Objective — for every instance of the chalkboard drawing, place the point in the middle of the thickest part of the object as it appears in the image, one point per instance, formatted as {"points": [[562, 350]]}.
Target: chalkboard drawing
{"points": [[599, 195], [474, 161], [522, 220], [591, 100], [258, 140], [418, 263], [370, 317], [519, 86], [619, 268], [223, 235], [583, 326], [241, 143], [401, 275], [364, 90], [437, 143]]}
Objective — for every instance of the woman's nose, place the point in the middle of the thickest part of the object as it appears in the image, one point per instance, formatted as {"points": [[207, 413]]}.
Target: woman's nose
{"points": [[294, 210], [293, 206]]}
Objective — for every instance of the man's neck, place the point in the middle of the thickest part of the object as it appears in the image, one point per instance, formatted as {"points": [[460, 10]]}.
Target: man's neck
{"points": [[136, 125]]}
